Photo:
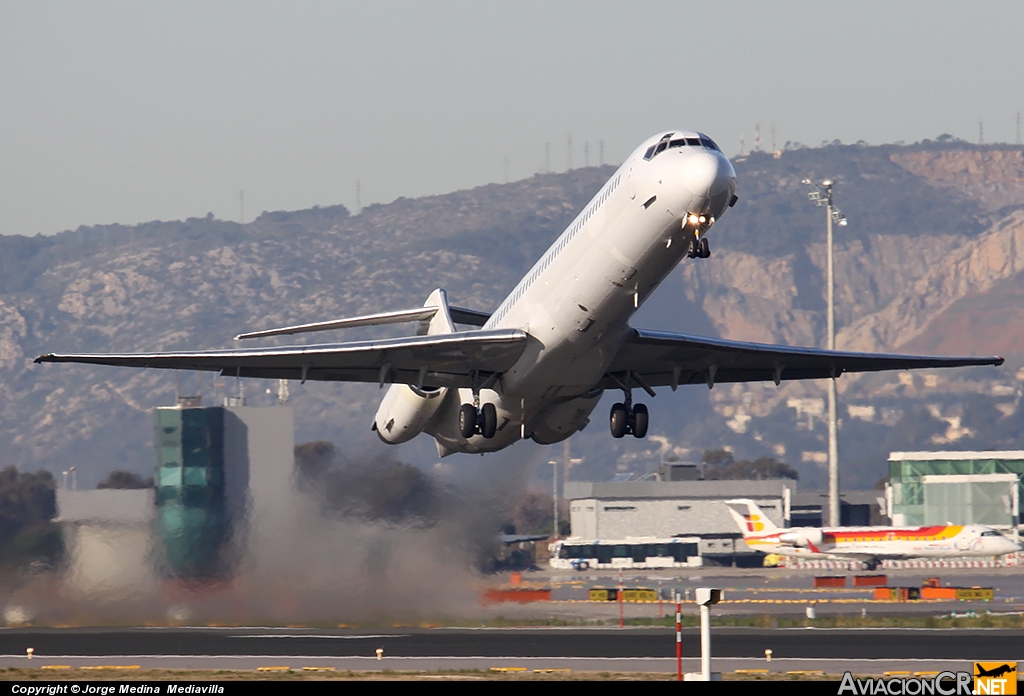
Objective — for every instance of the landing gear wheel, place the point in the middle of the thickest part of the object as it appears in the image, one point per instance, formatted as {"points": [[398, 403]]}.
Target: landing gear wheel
{"points": [[703, 248], [693, 249], [619, 420], [467, 420], [488, 420], [640, 421]]}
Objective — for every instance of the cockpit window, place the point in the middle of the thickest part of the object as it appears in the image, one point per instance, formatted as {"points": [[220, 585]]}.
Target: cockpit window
{"points": [[709, 143], [991, 532], [702, 141]]}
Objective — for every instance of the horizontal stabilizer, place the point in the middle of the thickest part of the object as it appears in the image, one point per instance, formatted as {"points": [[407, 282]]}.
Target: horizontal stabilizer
{"points": [[459, 315]]}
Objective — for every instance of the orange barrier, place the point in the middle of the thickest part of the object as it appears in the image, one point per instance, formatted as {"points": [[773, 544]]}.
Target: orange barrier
{"points": [[870, 580], [830, 581], [521, 595], [931, 592]]}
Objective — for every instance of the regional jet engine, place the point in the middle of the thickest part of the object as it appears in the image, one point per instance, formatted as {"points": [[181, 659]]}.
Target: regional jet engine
{"points": [[802, 538]]}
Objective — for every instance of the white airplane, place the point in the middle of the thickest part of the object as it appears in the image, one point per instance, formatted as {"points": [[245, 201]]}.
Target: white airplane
{"points": [[537, 366], [870, 545]]}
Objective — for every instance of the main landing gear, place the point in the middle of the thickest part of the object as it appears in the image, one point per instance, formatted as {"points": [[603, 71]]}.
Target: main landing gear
{"points": [[625, 420], [478, 421]]}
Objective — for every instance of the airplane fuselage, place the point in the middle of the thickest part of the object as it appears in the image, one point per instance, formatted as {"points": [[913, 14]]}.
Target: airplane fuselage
{"points": [[576, 301], [935, 541]]}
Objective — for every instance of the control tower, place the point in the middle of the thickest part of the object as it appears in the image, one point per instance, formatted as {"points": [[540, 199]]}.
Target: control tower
{"points": [[217, 467]]}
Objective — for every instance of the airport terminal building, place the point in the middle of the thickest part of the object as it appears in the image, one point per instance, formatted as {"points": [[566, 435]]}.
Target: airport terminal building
{"points": [[676, 509]]}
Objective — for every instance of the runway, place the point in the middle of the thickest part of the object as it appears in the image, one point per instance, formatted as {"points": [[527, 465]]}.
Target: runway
{"points": [[863, 651]]}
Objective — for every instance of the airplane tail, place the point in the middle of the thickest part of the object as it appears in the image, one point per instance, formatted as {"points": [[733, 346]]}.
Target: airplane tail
{"points": [[755, 522], [441, 322]]}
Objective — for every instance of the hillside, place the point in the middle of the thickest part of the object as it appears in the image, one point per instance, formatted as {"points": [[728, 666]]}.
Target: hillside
{"points": [[931, 261]]}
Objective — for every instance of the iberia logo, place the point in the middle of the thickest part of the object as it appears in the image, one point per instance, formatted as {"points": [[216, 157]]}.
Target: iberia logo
{"points": [[995, 678], [754, 523]]}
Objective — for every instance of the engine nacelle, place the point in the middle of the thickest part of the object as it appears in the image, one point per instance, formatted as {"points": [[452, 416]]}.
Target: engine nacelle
{"points": [[404, 412], [802, 538]]}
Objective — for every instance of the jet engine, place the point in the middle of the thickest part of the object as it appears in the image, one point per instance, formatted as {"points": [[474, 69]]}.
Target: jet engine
{"points": [[802, 538], [404, 412]]}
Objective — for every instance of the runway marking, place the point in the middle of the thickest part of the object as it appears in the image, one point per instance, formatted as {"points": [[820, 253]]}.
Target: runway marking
{"points": [[333, 637]]}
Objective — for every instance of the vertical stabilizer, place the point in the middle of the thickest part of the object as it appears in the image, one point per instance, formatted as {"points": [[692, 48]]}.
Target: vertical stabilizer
{"points": [[754, 522], [441, 322]]}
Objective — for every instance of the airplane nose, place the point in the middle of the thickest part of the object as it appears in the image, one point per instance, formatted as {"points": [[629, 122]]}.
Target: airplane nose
{"points": [[709, 176], [699, 174]]}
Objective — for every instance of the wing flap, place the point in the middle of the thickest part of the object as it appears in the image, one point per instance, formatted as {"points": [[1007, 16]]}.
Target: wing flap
{"points": [[667, 359], [449, 359]]}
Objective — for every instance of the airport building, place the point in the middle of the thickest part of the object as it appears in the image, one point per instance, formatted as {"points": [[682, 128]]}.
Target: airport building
{"points": [[676, 509], [956, 488], [108, 539]]}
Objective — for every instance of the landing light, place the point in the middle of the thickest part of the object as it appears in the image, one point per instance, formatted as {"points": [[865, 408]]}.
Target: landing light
{"points": [[693, 219], [703, 219]]}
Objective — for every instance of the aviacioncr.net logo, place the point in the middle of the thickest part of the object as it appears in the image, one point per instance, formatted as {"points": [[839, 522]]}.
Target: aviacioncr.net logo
{"points": [[943, 684]]}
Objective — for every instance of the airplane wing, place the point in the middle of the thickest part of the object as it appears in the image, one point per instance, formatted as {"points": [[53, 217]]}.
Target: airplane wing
{"points": [[659, 358], [438, 360]]}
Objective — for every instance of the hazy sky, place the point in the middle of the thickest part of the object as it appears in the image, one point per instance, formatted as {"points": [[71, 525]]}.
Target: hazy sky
{"points": [[133, 111]]}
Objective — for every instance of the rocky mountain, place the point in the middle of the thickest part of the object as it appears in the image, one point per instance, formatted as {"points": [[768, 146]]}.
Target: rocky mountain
{"points": [[931, 261]]}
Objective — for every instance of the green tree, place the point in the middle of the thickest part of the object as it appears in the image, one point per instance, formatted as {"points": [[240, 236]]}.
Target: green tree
{"points": [[125, 480], [720, 465]]}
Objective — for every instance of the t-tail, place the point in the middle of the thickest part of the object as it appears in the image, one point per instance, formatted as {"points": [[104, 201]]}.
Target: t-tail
{"points": [[754, 522]]}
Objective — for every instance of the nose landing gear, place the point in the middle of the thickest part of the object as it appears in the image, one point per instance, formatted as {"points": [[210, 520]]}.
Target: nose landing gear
{"points": [[698, 247]]}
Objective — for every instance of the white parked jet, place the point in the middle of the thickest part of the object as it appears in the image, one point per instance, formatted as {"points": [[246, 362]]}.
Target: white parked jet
{"points": [[870, 545], [536, 367]]}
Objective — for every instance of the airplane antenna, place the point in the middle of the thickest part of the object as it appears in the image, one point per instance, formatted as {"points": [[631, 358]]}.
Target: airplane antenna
{"points": [[568, 153], [742, 145], [586, 154], [241, 207], [981, 132], [600, 144], [757, 137], [359, 186]]}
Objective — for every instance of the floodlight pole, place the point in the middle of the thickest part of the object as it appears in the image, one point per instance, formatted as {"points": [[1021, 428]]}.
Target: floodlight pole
{"points": [[554, 498], [822, 196], [833, 426]]}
